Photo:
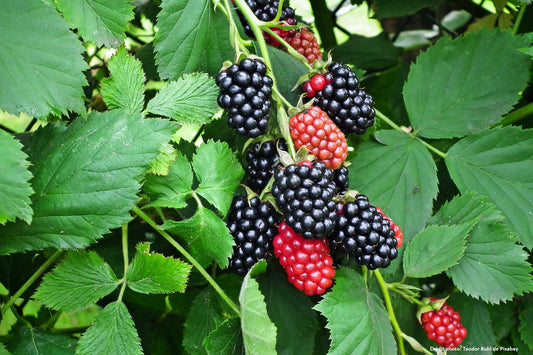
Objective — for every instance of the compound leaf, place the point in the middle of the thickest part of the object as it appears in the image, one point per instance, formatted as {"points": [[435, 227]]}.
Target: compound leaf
{"points": [[42, 70], [206, 235], [258, 331], [80, 280], [498, 163], [435, 249], [33, 341], [125, 87], [191, 37], [85, 178], [15, 188], [219, 173], [400, 176], [356, 317], [192, 99], [112, 332], [100, 21], [446, 93], [155, 273]]}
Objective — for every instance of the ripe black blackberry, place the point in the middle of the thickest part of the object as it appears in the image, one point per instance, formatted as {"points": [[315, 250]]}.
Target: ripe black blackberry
{"points": [[349, 106], [304, 193], [266, 11], [363, 233], [245, 92], [261, 159], [253, 225], [341, 180]]}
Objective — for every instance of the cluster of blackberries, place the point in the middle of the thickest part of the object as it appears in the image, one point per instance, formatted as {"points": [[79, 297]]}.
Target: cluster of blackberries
{"points": [[246, 92], [338, 93], [253, 225], [362, 232], [261, 158]]}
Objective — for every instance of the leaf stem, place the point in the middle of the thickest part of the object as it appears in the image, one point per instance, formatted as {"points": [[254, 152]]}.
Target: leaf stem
{"points": [[516, 115], [125, 258], [189, 257], [32, 279], [390, 311], [518, 19]]}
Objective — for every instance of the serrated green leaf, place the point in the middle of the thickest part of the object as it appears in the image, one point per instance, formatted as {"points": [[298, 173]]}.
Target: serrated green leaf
{"points": [[80, 280], [173, 189], [112, 332], [191, 37], [155, 273], [498, 163], [226, 339], [15, 188], [125, 86], [464, 208], [161, 164], [258, 331], [33, 341], [291, 311], [435, 249], [85, 178], [206, 235], [357, 319], [3, 350], [42, 70], [100, 21], [219, 173], [446, 93], [525, 329], [398, 175], [192, 99]]}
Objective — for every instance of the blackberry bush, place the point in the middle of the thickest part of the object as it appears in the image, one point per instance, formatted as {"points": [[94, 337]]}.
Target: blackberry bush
{"points": [[245, 93], [261, 160]]}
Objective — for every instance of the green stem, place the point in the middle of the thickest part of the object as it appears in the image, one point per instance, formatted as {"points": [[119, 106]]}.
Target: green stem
{"points": [[516, 115], [390, 311], [189, 257], [387, 120], [519, 19], [32, 279], [290, 50], [125, 258]]}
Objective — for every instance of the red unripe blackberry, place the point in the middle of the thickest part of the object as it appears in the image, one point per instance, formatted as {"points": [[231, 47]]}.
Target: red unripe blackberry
{"points": [[305, 43], [398, 234], [304, 193], [308, 265], [261, 159], [345, 102], [363, 233], [253, 225], [315, 130], [245, 93], [444, 326]]}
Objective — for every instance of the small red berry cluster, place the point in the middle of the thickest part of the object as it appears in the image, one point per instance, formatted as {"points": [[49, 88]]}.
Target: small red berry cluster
{"points": [[443, 325]]}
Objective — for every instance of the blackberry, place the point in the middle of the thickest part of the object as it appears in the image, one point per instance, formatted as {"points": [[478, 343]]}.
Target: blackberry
{"points": [[266, 11], [341, 180], [345, 102], [304, 193], [363, 233], [245, 92], [261, 158], [253, 225]]}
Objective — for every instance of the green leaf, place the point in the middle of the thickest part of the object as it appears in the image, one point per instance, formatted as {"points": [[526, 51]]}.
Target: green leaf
{"points": [[206, 235], [219, 173], [356, 317], [173, 189], [291, 311], [446, 94], [42, 70], [526, 319], [287, 70], [112, 332], [85, 178], [3, 350], [192, 99], [154, 273], [393, 8], [15, 188], [498, 163], [435, 249], [226, 339], [100, 21], [259, 333], [464, 208], [161, 164], [33, 341], [398, 175], [125, 86], [191, 37], [79, 281], [369, 53]]}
